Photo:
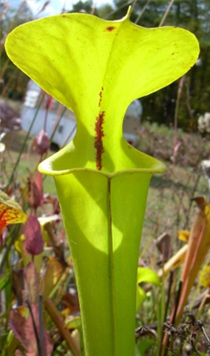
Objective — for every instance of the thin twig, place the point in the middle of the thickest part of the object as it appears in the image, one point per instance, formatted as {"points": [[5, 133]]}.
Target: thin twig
{"points": [[129, 2], [24, 143], [34, 327], [94, 8], [205, 334], [133, 5], [57, 121], [166, 342], [142, 11], [41, 328], [180, 87], [166, 13], [57, 319], [173, 316], [70, 134]]}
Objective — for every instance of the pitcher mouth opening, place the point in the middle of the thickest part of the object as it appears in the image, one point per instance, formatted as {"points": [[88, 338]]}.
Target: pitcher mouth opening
{"points": [[67, 161]]}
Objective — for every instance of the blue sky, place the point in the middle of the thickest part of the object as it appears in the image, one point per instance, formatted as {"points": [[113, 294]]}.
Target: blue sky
{"points": [[55, 6]]}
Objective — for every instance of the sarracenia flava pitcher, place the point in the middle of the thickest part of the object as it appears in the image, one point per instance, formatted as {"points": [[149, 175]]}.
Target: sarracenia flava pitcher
{"points": [[97, 68]]}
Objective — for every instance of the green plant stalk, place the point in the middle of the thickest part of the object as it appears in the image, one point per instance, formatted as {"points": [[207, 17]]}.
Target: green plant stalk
{"points": [[13, 235], [10, 345], [102, 182], [161, 311]]}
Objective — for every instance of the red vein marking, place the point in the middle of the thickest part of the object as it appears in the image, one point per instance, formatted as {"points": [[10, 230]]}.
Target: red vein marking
{"points": [[98, 139], [3, 221], [100, 96]]}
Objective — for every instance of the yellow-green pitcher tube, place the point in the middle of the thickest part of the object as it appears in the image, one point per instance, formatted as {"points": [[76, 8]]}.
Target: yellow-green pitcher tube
{"points": [[104, 229], [103, 218]]}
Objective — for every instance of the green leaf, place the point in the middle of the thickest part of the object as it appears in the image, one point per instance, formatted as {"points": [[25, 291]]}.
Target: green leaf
{"points": [[6, 200], [74, 323], [140, 297], [4, 280], [10, 212], [148, 276], [143, 346]]}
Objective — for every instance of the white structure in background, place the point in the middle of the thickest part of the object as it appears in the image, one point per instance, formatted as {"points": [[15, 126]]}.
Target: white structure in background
{"points": [[204, 123], [60, 130], [63, 130], [131, 123]]}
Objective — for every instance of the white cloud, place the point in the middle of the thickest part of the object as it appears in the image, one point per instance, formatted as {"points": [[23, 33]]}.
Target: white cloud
{"points": [[33, 5], [37, 6], [56, 6], [49, 11]]}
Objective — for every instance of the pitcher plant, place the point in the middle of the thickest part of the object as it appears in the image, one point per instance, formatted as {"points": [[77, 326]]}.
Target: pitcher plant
{"points": [[97, 68]]}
